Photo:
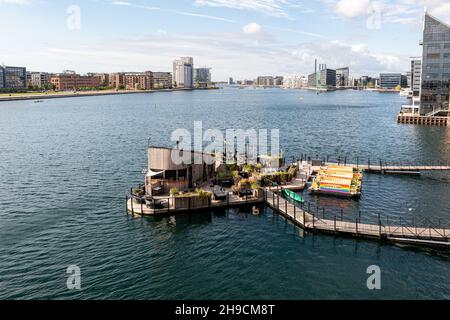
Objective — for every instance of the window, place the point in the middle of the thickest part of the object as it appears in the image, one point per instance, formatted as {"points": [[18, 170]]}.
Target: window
{"points": [[433, 56]]}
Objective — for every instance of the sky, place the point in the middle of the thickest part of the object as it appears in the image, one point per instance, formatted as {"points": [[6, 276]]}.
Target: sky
{"points": [[235, 38]]}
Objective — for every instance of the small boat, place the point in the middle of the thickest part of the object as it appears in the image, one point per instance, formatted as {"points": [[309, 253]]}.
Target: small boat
{"points": [[292, 195]]}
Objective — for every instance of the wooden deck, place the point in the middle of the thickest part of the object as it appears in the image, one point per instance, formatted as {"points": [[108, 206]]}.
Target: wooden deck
{"points": [[390, 168], [137, 208], [405, 234]]}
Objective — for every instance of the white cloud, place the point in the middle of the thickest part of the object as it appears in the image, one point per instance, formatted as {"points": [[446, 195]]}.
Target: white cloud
{"points": [[352, 8], [18, 2], [252, 28], [274, 8]]}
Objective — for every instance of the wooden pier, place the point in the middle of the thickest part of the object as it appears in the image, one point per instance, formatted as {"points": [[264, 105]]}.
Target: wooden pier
{"points": [[423, 120], [431, 236]]}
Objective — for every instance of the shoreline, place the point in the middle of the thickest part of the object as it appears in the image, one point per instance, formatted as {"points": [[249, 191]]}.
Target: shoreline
{"points": [[42, 96]]}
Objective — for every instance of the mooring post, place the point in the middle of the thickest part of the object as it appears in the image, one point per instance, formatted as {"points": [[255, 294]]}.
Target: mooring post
{"points": [[357, 162], [132, 207], [359, 215], [142, 207], [304, 218], [356, 222], [345, 161], [285, 206], [126, 203], [323, 212], [313, 221], [334, 223], [309, 207], [342, 214], [368, 164]]}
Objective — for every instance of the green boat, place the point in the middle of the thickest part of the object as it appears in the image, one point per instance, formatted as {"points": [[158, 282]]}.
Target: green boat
{"points": [[292, 195]]}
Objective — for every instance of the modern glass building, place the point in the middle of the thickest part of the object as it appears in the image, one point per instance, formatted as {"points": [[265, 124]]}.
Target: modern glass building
{"points": [[13, 77], [390, 80], [434, 95], [202, 77], [342, 77]]}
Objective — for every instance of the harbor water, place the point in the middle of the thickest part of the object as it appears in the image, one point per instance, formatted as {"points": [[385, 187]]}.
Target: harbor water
{"points": [[66, 164]]}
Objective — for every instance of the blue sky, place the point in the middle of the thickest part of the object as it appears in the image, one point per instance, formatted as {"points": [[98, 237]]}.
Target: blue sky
{"points": [[237, 38]]}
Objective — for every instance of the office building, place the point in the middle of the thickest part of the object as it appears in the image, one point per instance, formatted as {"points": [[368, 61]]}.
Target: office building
{"points": [[162, 80], [202, 77], [327, 77], [435, 79], [117, 80], [13, 77], [390, 80], [183, 72], [342, 77]]}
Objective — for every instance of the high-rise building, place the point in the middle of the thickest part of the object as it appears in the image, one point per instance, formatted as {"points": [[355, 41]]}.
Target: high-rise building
{"points": [[162, 80], [278, 81], [435, 80], [416, 70], [390, 80], [13, 77], [202, 77], [342, 77], [183, 72]]}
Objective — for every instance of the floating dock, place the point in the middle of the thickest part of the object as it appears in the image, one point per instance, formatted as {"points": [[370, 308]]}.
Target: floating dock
{"points": [[431, 236]]}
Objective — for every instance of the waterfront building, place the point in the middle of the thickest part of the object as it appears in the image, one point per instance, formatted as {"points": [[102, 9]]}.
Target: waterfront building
{"points": [[2, 77], [390, 80], [278, 81], [408, 79], [435, 80], [342, 77], [248, 82], [327, 77], [71, 81], [295, 82], [162, 80], [313, 79], [264, 81], [202, 77], [13, 77], [38, 79], [416, 70], [117, 80], [230, 81], [103, 78], [138, 80], [163, 173], [183, 72]]}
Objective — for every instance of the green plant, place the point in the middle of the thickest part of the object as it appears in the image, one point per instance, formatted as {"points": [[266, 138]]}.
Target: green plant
{"points": [[249, 168], [244, 184], [203, 194], [174, 192], [256, 185]]}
